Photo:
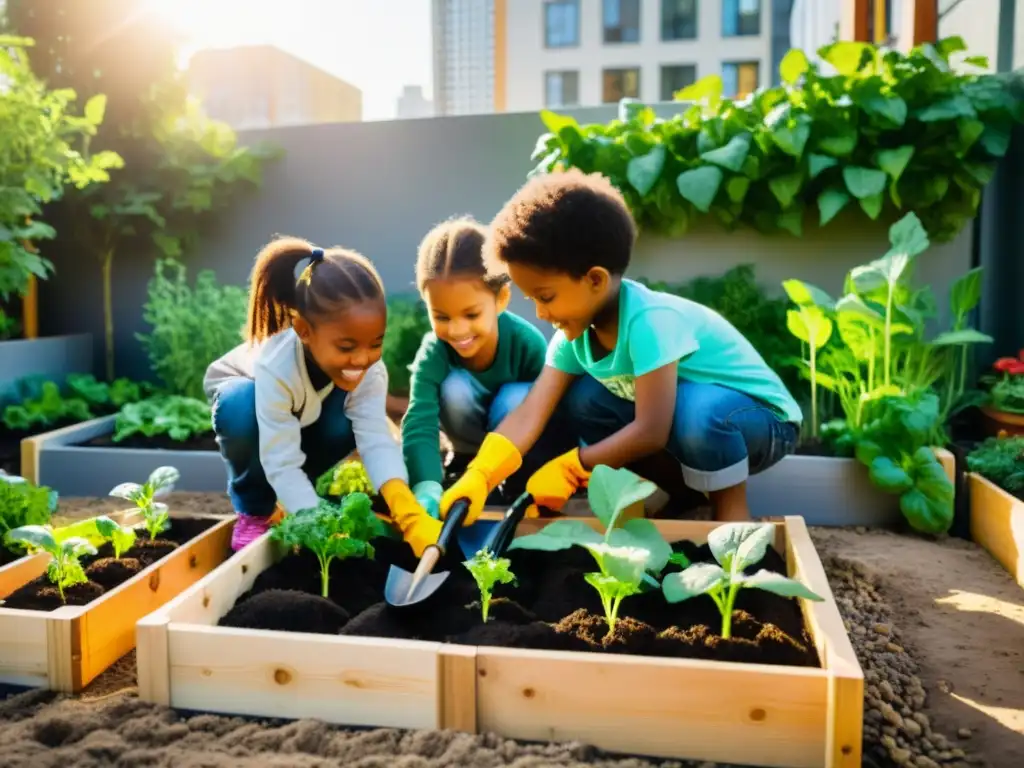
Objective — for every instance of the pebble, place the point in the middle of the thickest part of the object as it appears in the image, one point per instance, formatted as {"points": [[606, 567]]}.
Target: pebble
{"points": [[912, 727], [923, 761], [964, 733], [882, 629], [900, 756]]}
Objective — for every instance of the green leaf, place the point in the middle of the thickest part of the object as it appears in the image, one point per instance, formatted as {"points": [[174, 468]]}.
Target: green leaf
{"points": [[645, 534], [909, 236], [867, 451], [894, 161], [864, 182], [947, 109], [839, 141], [889, 476], [791, 136], [643, 172], [995, 140], [707, 90], [785, 188], [872, 206], [810, 325], [831, 202], [818, 163], [890, 108], [793, 66], [736, 188], [925, 514], [804, 294], [556, 123], [778, 584], [792, 220], [963, 336], [846, 57], [624, 564], [612, 491], [95, 108], [700, 185], [558, 535], [732, 155], [739, 545], [696, 580], [38, 536]]}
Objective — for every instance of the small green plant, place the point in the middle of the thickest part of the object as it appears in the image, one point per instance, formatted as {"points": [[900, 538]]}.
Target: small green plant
{"points": [[736, 547], [48, 409], [1006, 384], [332, 532], [1001, 460], [121, 537], [180, 418], [65, 569], [489, 571], [344, 478], [628, 556], [156, 516], [23, 504]]}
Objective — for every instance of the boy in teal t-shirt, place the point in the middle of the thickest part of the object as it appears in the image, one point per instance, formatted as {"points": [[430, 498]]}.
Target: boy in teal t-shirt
{"points": [[639, 371]]}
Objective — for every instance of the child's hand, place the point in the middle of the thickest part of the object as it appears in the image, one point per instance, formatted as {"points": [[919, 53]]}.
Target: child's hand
{"points": [[428, 494], [418, 528], [497, 458], [553, 484], [473, 486]]}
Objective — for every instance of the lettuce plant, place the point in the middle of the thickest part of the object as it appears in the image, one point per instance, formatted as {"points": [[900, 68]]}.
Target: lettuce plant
{"points": [[21, 504], [332, 532], [65, 569], [736, 547], [155, 514], [627, 556], [489, 571], [344, 478]]}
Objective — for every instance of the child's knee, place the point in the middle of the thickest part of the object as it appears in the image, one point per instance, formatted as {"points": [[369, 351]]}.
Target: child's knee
{"points": [[234, 410], [508, 398], [460, 399]]}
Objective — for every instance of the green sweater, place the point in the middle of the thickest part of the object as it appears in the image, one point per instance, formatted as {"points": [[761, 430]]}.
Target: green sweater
{"points": [[520, 357]]}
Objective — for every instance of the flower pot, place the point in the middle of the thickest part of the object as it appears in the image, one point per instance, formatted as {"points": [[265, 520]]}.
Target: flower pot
{"points": [[1001, 422]]}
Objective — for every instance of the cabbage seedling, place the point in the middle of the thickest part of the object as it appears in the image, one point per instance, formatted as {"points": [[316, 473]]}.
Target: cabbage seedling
{"points": [[64, 569], [97, 530], [344, 478], [488, 571], [736, 546], [626, 555], [155, 514]]}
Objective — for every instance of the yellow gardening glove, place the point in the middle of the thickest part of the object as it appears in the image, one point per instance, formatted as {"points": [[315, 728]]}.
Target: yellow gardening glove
{"points": [[496, 460], [418, 528], [553, 484]]}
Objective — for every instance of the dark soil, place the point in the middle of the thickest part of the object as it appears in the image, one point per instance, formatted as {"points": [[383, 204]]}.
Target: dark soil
{"points": [[7, 557], [106, 573], [552, 607], [206, 442]]}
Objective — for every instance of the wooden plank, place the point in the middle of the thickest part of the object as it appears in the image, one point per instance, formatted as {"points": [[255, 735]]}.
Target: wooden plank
{"points": [[107, 627], [457, 687], [64, 649], [348, 680], [919, 22], [31, 446], [737, 713], [855, 21], [23, 646], [153, 659], [997, 524]]}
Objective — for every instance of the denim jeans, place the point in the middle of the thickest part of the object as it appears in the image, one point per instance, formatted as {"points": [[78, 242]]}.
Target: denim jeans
{"points": [[325, 442], [468, 411], [719, 435]]}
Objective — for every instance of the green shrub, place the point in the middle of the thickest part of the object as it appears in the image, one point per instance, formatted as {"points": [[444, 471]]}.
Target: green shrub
{"points": [[408, 323]]}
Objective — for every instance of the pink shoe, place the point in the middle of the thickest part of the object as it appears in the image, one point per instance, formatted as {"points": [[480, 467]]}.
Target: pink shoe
{"points": [[247, 530]]}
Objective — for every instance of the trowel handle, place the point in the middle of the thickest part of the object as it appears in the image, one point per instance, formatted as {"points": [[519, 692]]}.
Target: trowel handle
{"points": [[452, 522], [506, 530]]}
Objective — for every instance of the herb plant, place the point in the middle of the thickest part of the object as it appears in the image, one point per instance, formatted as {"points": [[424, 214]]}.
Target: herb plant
{"points": [[628, 556], [332, 532], [736, 547], [1006, 384], [64, 570], [1001, 460], [180, 418], [883, 131], [156, 516], [488, 571], [23, 504], [344, 478]]}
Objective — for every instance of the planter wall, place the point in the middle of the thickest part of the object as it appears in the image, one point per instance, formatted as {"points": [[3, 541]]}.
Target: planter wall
{"points": [[56, 459], [827, 491], [997, 524], [65, 649], [53, 357], [676, 708]]}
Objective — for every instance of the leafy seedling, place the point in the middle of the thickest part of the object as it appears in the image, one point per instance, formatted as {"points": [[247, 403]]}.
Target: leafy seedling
{"points": [[332, 532], [344, 478], [628, 556], [155, 514], [21, 504], [736, 546], [97, 530], [489, 571], [64, 569]]}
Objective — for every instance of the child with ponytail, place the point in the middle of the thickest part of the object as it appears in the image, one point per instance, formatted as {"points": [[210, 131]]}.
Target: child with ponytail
{"points": [[306, 388]]}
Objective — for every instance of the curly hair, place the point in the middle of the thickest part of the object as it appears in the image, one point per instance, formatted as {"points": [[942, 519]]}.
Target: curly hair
{"points": [[453, 249]]}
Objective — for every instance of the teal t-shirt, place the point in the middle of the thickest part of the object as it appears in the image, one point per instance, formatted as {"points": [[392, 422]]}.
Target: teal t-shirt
{"points": [[656, 329]]}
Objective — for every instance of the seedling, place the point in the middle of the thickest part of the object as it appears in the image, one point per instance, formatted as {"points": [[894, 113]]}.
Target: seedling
{"points": [[64, 570], [98, 530], [155, 514], [488, 571], [21, 504], [626, 555], [344, 478], [736, 546], [332, 532]]}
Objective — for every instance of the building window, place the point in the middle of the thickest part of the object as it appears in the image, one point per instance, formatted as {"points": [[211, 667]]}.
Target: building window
{"points": [[622, 21], [561, 89], [561, 23], [678, 19], [618, 84], [675, 77], [740, 78], [741, 18]]}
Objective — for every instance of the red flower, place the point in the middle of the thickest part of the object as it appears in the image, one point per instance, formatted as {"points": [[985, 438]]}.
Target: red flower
{"points": [[1004, 364], [1017, 369]]}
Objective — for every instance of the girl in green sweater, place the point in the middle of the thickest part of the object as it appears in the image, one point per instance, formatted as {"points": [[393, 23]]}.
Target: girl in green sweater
{"points": [[475, 368]]}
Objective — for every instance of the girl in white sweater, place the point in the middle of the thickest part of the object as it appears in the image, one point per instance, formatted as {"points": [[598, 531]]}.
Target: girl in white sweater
{"points": [[308, 387]]}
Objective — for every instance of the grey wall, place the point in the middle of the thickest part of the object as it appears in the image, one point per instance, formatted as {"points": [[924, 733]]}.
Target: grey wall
{"points": [[378, 187]]}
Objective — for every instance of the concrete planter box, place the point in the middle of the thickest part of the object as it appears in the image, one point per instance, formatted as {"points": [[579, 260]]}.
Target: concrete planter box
{"points": [[53, 357], [827, 491], [58, 460]]}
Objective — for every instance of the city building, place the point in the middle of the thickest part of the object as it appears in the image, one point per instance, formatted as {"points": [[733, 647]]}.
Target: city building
{"points": [[412, 103], [261, 86], [464, 56]]}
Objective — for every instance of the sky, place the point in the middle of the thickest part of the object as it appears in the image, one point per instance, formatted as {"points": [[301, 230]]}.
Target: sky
{"points": [[377, 45]]}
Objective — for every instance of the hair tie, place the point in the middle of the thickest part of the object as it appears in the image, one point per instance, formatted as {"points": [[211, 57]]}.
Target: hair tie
{"points": [[304, 269], [316, 255]]}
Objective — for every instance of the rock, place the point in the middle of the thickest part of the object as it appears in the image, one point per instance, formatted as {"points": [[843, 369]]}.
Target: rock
{"points": [[891, 715], [957, 753], [888, 741], [912, 727], [892, 647], [922, 719], [885, 689], [923, 761], [900, 756], [882, 629], [964, 733]]}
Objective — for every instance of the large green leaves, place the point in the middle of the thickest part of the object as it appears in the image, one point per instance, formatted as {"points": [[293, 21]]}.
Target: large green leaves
{"points": [[778, 584], [700, 186], [612, 491], [698, 579]]}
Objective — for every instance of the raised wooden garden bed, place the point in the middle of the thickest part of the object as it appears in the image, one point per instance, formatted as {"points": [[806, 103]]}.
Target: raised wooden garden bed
{"points": [[828, 491], [726, 711], [64, 461], [997, 523], [65, 648]]}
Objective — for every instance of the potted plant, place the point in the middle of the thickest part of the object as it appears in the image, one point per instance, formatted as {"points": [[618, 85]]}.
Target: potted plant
{"points": [[1004, 409]]}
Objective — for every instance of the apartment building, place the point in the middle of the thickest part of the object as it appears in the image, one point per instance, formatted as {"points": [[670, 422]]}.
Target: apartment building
{"points": [[464, 56], [261, 86]]}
